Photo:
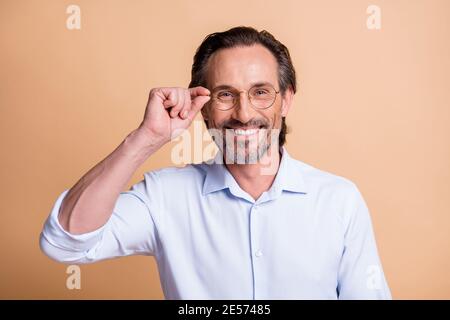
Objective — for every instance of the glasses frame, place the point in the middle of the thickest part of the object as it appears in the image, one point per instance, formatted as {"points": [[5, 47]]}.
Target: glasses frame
{"points": [[248, 97]]}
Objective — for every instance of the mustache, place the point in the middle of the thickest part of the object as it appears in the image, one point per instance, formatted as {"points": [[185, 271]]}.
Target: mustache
{"points": [[234, 123]]}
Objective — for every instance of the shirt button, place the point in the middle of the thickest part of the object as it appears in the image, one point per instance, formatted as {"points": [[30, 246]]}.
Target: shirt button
{"points": [[258, 253]]}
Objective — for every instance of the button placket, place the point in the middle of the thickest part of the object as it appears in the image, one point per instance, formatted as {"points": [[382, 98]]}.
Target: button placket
{"points": [[256, 250]]}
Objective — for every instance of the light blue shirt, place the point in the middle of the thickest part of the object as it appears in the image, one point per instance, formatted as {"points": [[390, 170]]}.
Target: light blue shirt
{"points": [[308, 237]]}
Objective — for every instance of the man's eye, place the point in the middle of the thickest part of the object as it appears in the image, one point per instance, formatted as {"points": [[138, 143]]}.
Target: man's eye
{"points": [[225, 94], [261, 92]]}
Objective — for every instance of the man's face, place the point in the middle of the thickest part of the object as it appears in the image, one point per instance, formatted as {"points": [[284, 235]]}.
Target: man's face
{"points": [[248, 132]]}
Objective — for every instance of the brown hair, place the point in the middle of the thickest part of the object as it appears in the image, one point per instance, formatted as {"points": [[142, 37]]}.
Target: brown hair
{"points": [[245, 36]]}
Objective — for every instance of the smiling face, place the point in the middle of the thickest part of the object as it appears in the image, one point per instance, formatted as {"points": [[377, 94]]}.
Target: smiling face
{"points": [[245, 132]]}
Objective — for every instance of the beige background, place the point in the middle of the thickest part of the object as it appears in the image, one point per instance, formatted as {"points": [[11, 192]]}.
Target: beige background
{"points": [[372, 106]]}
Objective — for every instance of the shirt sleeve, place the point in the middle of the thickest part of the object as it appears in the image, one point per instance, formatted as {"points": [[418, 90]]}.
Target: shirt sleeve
{"points": [[360, 272], [131, 229]]}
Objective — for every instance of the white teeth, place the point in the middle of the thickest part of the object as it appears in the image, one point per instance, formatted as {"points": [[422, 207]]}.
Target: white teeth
{"points": [[240, 132]]}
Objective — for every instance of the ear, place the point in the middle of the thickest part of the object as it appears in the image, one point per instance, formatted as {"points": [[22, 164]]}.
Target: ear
{"points": [[286, 101]]}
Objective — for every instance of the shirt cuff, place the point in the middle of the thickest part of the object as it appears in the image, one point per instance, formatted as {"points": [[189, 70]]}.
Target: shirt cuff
{"points": [[55, 234]]}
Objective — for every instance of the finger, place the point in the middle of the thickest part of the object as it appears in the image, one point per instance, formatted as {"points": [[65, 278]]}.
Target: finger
{"points": [[170, 97], [199, 91], [196, 105], [177, 108], [187, 104]]}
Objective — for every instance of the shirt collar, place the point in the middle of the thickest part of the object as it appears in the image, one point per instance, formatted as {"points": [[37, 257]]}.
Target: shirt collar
{"points": [[288, 178]]}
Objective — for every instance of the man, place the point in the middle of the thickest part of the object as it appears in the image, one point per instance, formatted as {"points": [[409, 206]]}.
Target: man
{"points": [[255, 223]]}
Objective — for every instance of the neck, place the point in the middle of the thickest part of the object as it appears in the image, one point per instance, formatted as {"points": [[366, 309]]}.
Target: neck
{"points": [[253, 178]]}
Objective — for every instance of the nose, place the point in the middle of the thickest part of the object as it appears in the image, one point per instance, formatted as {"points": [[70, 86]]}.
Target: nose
{"points": [[243, 110]]}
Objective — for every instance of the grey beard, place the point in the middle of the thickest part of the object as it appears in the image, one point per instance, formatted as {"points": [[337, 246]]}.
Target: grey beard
{"points": [[235, 153]]}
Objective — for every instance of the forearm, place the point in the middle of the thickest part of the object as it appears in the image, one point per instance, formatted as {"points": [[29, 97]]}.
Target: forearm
{"points": [[90, 202]]}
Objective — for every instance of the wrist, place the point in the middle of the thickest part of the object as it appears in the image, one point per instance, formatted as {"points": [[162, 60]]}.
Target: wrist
{"points": [[140, 145]]}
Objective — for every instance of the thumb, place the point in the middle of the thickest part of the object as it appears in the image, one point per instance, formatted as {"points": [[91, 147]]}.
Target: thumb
{"points": [[197, 105]]}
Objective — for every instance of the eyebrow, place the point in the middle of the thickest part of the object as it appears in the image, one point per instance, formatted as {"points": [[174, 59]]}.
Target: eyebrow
{"points": [[254, 84]]}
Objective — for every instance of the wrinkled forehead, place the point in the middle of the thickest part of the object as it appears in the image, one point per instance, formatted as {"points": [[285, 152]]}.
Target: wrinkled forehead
{"points": [[240, 67]]}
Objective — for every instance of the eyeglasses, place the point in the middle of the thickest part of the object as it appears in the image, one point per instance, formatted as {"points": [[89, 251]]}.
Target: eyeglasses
{"points": [[260, 96]]}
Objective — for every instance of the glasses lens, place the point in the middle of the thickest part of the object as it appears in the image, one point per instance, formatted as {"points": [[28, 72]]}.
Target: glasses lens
{"points": [[224, 99], [262, 97]]}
